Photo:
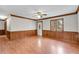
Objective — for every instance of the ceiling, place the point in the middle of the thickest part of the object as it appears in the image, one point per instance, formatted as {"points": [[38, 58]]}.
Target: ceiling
{"points": [[29, 10]]}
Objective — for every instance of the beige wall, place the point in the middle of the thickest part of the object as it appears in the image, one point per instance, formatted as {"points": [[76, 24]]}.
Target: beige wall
{"points": [[20, 24], [71, 23]]}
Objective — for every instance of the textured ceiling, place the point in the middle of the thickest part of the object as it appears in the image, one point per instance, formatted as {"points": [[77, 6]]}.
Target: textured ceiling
{"points": [[29, 10]]}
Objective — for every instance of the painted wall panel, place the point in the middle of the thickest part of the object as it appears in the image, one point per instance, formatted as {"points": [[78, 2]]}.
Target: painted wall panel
{"points": [[46, 25], [70, 23], [19, 24]]}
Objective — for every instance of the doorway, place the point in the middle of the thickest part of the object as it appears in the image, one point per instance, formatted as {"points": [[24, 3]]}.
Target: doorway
{"points": [[39, 28], [3, 27]]}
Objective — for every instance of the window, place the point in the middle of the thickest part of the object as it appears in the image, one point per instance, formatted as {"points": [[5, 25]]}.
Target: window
{"points": [[56, 25]]}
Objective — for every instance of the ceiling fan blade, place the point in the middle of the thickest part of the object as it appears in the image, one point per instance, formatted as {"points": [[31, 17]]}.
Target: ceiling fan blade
{"points": [[45, 14]]}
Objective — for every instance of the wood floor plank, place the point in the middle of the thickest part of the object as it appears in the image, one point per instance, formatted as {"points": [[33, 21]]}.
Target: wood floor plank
{"points": [[36, 45]]}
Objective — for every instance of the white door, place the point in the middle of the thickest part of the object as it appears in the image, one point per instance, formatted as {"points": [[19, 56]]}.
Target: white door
{"points": [[39, 28]]}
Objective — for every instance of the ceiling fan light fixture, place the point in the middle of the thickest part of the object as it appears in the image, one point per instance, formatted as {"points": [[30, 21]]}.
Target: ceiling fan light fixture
{"points": [[40, 14]]}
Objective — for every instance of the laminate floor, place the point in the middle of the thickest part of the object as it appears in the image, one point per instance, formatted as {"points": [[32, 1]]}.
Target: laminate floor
{"points": [[36, 45]]}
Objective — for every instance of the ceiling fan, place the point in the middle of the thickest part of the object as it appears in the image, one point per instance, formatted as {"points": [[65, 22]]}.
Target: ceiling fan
{"points": [[40, 14]]}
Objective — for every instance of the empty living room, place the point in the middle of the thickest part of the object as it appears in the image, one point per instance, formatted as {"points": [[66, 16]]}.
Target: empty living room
{"points": [[39, 29]]}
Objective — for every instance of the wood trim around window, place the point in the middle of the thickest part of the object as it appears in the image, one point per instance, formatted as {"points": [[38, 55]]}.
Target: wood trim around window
{"points": [[56, 20]]}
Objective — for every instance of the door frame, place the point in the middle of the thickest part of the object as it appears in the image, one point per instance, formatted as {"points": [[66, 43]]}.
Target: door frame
{"points": [[5, 26], [37, 27]]}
